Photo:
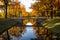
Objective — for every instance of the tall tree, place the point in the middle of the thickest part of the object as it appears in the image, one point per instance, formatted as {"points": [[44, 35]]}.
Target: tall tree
{"points": [[39, 7], [6, 2], [44, 6]]}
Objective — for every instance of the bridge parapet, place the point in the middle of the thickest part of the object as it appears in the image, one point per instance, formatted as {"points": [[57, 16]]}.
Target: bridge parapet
{"points": [[36, 22]]}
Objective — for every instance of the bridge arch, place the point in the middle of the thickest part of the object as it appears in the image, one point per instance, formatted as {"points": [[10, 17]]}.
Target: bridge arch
{"points": [[32, 21]]}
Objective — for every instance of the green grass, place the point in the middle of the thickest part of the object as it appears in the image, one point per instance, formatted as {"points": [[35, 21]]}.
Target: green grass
{"points": [[50, 26], [56, 30], [49, 22]]}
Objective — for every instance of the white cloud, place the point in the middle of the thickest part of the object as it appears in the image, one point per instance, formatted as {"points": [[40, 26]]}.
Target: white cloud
{"points": [[27, 4]]}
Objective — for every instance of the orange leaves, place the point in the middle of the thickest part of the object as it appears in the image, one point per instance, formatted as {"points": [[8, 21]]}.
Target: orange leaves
{"points": [[31, 20], [15, 30], [24, 14], [25, 22]]}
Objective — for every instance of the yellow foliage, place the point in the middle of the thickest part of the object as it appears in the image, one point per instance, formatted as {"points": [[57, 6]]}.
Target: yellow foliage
{"points": [[25, 22], [2, 14], [33, 13], [33, 21], [1, 3], [15, 10], [24, 14]]}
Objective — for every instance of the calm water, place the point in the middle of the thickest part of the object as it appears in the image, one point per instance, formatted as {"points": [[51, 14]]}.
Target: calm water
{"points": [[29, 33]]}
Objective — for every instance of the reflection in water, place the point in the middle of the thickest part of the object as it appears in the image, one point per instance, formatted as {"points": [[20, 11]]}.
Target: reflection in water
{"points": [[28, 35]]}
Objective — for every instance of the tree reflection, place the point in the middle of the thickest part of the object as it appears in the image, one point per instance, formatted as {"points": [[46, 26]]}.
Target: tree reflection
{"points": [[16, 31], [44, 34]]}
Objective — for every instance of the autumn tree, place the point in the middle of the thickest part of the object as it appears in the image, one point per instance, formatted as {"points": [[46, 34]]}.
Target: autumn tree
{"points": [[39, 7], [5, 2], [57, 7], [45, 6]]}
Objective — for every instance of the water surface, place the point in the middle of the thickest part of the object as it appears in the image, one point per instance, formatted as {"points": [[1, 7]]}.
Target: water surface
{"points": [[28, 35]]}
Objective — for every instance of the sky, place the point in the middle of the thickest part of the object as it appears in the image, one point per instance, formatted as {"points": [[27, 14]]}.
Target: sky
{"points": [[27, 4], [29, 23], [0, 10]]}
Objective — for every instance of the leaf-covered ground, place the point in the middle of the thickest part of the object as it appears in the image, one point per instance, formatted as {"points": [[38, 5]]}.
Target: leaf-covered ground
{"points": [[53, 25]]}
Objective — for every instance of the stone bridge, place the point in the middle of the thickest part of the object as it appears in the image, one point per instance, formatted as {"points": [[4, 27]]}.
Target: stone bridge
{"points": [[6, 24], [33, 20]]}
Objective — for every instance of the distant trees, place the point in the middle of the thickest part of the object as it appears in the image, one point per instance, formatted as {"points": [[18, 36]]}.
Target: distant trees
{"points": [[14, 10], [39, 7], [11, 9], [47, 7]]}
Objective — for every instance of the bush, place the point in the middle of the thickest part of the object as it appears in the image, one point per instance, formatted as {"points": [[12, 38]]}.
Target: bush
{"points": [[58, 13]]}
